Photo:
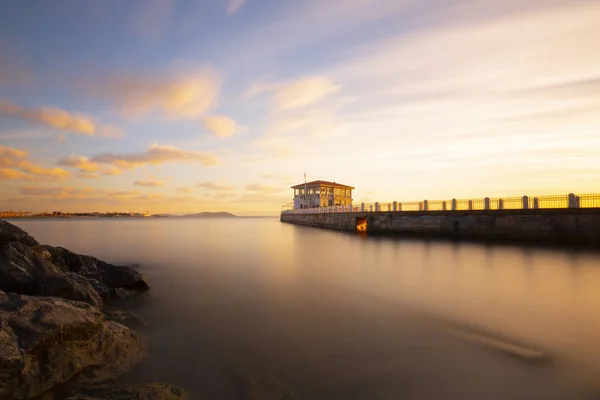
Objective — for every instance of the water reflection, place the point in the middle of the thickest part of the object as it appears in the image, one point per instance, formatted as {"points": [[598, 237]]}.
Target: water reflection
{"points": [[328, 310]]}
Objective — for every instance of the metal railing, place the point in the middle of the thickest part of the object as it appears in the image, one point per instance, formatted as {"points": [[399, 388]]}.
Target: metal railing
{"points": [[501, 203]]}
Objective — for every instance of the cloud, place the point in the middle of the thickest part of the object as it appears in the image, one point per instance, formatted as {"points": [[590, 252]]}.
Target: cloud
{"points": [[261, 188], [186, 96], [234, 5], [213, 186], [149, 183], [88, 197], [86, 167], [304, 92], [155, 155], [282, 179], [294, 94], [25, 134], [220, 125], [58, 119], [14, 165], [71, 193], [185, 189]]}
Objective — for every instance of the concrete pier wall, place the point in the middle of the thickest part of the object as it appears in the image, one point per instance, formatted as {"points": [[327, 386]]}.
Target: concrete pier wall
{"points": [[560, 226]]}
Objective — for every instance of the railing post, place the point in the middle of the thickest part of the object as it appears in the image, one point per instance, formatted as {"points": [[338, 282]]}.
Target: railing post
{"points": [[470, 205], [444, 205], [525, 203], [486, 203], [425, 205], [573, 201], [577, 201], [500, 204], [395, 206], [454, 207], [362, 207], [536, 203], [399, 206], [371, 207]]}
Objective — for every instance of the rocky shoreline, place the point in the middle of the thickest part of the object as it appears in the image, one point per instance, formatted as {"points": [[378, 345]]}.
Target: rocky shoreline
{"points": [[56, 342]]}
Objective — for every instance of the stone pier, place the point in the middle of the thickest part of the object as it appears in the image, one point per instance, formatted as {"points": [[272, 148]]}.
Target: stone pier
{"points": [[567, 226]]}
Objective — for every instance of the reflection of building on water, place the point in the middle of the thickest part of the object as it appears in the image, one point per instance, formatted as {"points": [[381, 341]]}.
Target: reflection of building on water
{"points": [[321, 194]]}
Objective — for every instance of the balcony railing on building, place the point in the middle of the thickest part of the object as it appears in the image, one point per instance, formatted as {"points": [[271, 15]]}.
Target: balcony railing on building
{"points": [[504, 203]]}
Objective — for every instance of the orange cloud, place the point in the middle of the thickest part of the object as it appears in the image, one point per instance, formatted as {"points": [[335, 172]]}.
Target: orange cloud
{"points": [[88, 168], [260, 188], [58, 119], [149, 183], [213, 186], [185, 189], [98, 197], [14, 165], [71, 193], [220, 125], [295, 94], [80, 162], [181, 97], [155, 155]]}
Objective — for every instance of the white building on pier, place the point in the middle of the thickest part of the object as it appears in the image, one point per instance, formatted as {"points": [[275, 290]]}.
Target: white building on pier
{"points": [[321, 194]]}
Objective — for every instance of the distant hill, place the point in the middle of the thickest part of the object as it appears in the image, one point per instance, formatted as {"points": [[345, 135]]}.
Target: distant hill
{"points": [[221, 214]]}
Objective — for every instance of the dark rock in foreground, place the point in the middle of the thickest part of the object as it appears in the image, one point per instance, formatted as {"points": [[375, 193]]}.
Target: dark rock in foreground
{"points": [[147, 391], [10, 233], [31, 269], [113, 276], [48, 341], [24, 271], [61, 344]]}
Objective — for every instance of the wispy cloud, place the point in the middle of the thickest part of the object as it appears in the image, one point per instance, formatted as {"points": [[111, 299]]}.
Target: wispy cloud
{"points": [[149, 183], [88, 168], [155, 155], [185, 189], [234, 5], [220, 125], [262, 188], [214, 186], [14, 165], [304, 92], [88, 197], [59, 119], [178, 96], [297, 93]]}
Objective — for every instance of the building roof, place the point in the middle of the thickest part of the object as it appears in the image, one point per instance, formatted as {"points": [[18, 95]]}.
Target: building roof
{"points": [[322, 183]]}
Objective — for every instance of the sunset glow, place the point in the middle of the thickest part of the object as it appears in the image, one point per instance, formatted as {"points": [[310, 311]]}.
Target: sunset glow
{"points": [[185, 106]]}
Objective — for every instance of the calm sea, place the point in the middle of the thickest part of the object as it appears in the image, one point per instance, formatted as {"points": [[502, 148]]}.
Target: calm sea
{"points": [[240, 306]]}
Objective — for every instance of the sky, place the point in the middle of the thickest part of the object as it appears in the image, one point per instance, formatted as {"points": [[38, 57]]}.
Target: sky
{"points": [[174, 106]]}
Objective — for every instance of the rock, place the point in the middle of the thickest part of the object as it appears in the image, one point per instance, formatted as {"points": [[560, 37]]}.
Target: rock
{"points": [[145, 391], [24, 271], [113, 276], [123, 317], [48, 341], [10, 233]]}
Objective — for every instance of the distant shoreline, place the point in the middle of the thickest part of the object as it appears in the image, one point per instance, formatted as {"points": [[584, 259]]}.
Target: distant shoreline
{"points": [[142, 218]]}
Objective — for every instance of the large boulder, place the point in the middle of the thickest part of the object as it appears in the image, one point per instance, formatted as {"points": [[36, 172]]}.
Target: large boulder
{"points": [[113, 276], [10, 233], [47, 341], [144, 391], [23, 270]]}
